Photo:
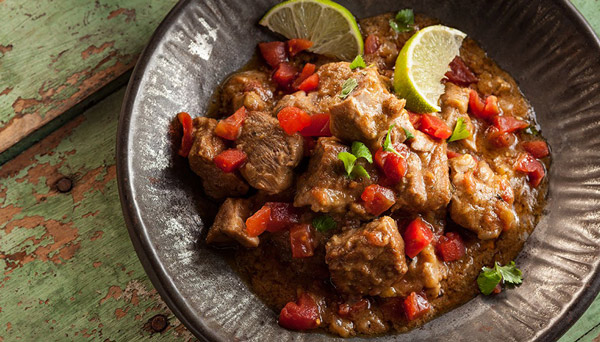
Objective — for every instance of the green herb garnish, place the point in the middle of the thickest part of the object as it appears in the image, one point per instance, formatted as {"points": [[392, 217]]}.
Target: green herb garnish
{"points": [[532, 130], [358, 62], [387, 142], [489, 278], [460, 131], [324, 223], [408, 134], [348, 87], [360, 150], [404, 21], [349, 160]]}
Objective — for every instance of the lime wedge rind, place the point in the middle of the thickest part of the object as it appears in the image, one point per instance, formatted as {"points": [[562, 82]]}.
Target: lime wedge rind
{"points": [[330, 26]]}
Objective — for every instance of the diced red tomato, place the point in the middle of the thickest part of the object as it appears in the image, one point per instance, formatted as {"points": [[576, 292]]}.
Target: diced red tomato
{"points": [[229, 128], [415, 119], [393, 166], [452, 154], [435, 127], [309, 145], [301, 315], [318, 127], [371, 44], [310, 84], [509, 124], [307, 71], [301, 240], [284, 75], [416, 305], [273, 52], [497, 289], [186, 138], [297, 45], [417, 236], [451, 247], [483, 110], [257, 223], [348, 310], [537, 148], [500, 139], [230, 160], [476, 105], [377, 199], [283, 216], [532, 167], [293, 119], [460, 73]]}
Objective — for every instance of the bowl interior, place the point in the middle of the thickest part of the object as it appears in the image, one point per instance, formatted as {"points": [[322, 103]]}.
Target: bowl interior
{"points": [[544, 45]]}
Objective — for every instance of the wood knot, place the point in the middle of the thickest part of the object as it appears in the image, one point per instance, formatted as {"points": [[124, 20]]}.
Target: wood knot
{"points": [[158, 323], [64, 184]]}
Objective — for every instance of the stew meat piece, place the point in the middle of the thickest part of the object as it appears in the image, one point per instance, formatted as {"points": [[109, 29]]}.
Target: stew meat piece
{"points": [[206, 147], [252, 89], [455, 103], [272, 154], [426, 186], [364, 115], [481, 200], [367, 260], [230, 224], [325, 187]]}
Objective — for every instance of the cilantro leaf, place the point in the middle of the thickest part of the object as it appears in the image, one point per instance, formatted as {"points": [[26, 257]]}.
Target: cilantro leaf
{"points": [[324, 223], [488, 279], [358, 172], [404, 21], [387, 143], [348, 87], [360, 150], [349, 160], [358, 62], [460, 131], [532, 130], [510, 273], [408, 134]]}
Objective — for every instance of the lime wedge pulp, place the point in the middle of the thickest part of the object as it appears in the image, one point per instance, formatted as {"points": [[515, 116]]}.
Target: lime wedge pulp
{"points": [[421, 65], [331, 27]]}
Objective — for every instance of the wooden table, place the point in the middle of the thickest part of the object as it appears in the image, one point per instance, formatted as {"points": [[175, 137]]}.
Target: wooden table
{"points": [[69, 271]]}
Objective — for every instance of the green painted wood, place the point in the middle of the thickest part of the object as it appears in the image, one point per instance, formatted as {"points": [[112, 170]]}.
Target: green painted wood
{"points": [[56, 53], [590, 10], [68, 268]]}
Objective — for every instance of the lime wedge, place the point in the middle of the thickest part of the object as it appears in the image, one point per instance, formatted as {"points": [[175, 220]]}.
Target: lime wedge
{"points": [[421, 65], [331, 27]]}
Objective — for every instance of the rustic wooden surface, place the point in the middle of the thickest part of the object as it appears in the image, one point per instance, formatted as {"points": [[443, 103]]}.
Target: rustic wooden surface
{"points": [[69, 271], [55, 53]]}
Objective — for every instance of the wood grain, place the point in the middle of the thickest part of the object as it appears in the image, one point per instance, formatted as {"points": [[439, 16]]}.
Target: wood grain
{"points": [[68, 269], [55, 53]]}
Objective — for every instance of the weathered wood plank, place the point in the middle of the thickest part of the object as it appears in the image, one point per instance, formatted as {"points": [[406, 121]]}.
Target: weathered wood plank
{"points": [[68, 269], [587, 328], [55, 53], [590, 10]]}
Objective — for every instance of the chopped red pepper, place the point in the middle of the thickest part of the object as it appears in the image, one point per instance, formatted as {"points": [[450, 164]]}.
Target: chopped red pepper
{"points": [[377, 199], [293, 119], [417, 236], [310, 84], [318, 127], [283, 215], [476, 105], [230, 160], [483, 110], [273, 52], [452, 154], [257, 223], [393, 166], [301, 315], [371, 44], [509, 124], [460, 73], [284, 75], [297, 45], [500, 139], [348, 310], [435, 127], [451, 247], [307, 71], [229, 128], [301, 240], [537, 148], [532, 167], [416, 305], [186, 138]]}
